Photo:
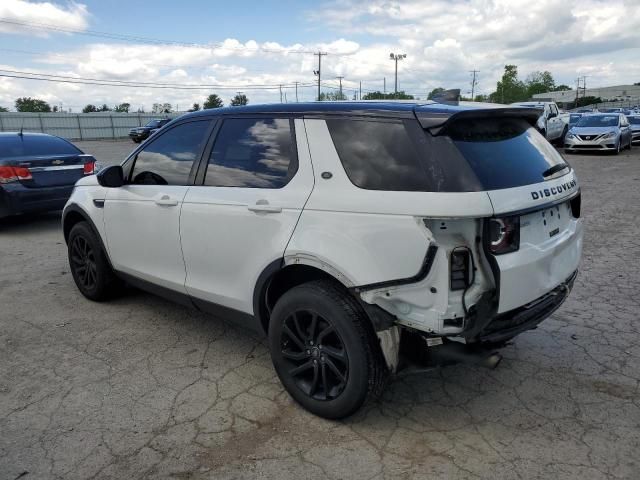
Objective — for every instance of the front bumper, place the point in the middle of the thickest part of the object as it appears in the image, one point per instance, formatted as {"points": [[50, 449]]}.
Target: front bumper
{"points": [[507, 325], [596, 144], [138, 135], [16, 199], [635, 137]]}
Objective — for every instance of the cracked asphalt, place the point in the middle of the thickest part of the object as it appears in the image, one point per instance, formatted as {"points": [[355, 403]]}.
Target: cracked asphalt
{"points": [[142, 388]]}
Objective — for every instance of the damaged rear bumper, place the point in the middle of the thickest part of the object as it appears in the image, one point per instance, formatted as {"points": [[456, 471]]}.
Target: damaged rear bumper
{"points": [[504, 326]]}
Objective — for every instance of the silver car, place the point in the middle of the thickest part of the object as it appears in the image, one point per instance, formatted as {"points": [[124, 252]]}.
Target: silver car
{"points": [[604, 132], [634, 123]]}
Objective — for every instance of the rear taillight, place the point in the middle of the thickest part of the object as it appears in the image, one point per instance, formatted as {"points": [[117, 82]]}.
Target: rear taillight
{"points": [[89, 168], [14, 174], [575, 206], [461, 266], [504, 234]]}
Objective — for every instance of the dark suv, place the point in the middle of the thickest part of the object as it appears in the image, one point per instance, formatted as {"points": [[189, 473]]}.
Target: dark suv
{"points": [[139, 134]]}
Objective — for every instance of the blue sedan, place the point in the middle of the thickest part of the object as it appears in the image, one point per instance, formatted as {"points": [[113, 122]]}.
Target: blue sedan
{"points": [[38, 172]]}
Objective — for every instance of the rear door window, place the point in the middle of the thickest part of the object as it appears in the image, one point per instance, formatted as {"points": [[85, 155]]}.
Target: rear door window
{"points": [[253, 153]]}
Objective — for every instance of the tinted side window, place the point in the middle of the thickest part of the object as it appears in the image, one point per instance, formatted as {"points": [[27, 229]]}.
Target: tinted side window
{"points": [[378, 155], [253, 153], [168, 159]]}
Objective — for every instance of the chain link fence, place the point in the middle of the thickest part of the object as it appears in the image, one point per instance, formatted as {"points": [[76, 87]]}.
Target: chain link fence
{"points": [[78, 126]]}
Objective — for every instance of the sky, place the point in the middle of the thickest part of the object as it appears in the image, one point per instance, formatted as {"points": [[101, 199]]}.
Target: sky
{"points": [[224, 47]]}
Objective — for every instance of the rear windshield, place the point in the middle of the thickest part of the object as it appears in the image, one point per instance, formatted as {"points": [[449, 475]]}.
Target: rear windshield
{"points": [[34, 146], [471, 155], [599, 121]]}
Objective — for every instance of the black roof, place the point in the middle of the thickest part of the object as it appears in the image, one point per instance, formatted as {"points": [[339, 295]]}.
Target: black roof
{"points": [[399, 109]]}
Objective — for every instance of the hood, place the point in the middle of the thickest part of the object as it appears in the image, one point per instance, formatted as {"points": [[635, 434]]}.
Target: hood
{"points": [[593, 130]]}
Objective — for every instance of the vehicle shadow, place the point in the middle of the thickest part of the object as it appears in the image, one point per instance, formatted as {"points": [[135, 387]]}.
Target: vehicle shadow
{"points": [[31, 223]]}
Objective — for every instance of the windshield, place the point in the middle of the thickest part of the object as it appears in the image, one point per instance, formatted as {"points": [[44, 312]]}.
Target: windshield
{"points": [[573, 118], [503, 152], [599, 121], [634, 120], [153, 123]]}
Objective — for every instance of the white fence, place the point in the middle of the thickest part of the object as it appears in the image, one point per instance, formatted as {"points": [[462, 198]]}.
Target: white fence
{"points": [[78, 126]]}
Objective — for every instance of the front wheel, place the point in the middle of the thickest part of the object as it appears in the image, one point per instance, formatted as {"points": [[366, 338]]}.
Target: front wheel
{"points": [[89, 265], [324, 350], [618, 147]]}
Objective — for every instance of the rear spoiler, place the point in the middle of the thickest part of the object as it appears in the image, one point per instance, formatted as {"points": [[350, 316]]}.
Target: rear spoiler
{"points": [[438, 121]]}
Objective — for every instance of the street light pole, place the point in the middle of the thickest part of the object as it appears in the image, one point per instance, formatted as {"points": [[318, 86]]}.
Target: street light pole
{"points": [[396, 57]]}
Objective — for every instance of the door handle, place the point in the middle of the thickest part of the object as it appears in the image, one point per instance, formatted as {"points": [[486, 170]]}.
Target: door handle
{"points": [[166, 201], [262, 206]]}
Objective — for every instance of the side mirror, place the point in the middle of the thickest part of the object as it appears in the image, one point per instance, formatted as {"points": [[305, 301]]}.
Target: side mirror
{"points": [[111, 177]]}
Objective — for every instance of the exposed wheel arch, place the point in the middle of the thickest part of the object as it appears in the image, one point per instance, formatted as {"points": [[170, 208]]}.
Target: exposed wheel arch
{"points": [[279, 278], [74, 214]]}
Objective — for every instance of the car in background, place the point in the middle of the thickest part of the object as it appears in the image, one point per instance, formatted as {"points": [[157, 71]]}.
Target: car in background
{"points": [[604, 132], [38, 172], [552, 124], [634, 124], [139, 134], [610, 110]]}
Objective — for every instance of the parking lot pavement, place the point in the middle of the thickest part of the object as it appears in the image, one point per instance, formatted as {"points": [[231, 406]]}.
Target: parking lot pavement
{"points": [[141, 388], [107, 152]]}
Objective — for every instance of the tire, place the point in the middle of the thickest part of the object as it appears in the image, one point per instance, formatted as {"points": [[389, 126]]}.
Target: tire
{"points": [[560, 141], [325, 351], [89, 265], [618, 147]]}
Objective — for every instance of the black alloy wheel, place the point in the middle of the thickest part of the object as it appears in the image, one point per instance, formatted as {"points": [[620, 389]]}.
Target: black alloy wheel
{"points": [[324, 349], [89, 265], [83, 262], [315, 354]]}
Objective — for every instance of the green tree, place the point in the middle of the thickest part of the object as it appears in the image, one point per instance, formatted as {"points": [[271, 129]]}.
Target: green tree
{"points": [[539, 82], [4, 109], [89, 109], [584, 101], [509, 89], [104, 108], [562, 88], [195, 108], [377, 95], [212, 101], [122, 108], [435, 92], [239, 99], [28, 104], [332, 96], [161, 108], [481, 98]]}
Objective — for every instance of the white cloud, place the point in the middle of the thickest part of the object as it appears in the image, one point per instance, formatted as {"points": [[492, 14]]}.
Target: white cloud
{"points": [[71, 15], [443, 40]]}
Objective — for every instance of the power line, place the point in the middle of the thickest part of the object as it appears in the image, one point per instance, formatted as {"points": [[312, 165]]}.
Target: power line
{"points": [[78, 80]]}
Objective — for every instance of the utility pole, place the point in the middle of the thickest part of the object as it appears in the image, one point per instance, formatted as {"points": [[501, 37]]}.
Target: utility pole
{"points": [[340, 80], [360, 89], [577, 90], [396, 57], [296, 91], [384, 87], [473, 83], [584, 86], [319, 71]]}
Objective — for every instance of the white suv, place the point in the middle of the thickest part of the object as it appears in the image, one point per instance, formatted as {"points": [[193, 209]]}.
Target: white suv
{"points": [[360, 237]]}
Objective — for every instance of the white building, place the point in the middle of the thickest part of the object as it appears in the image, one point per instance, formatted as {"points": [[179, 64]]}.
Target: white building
{"points": [[619, 93]]}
